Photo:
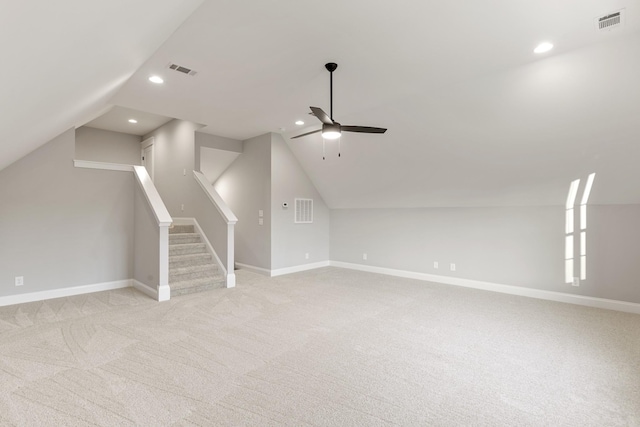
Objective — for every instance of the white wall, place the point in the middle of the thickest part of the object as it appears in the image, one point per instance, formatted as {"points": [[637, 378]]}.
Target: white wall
{"points": [[246, 187], [520, 246], [290, 241], [105, 146], [61, 226]]}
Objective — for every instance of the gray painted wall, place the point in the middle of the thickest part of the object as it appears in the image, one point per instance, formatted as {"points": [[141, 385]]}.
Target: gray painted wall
{"points": [[212, 224], [246, 187], [521, 246], [146, 242], [62, 226], [290, 241], [106, 146], [217, 142], [174, 156]]}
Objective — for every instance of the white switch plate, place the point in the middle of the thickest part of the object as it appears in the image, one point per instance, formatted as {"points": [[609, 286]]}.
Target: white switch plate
{"points": [[260, 221], [19, 280], [435, 264], [453, 267], [260, 213]]}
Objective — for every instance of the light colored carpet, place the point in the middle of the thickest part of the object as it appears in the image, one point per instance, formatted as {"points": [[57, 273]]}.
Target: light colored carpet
{"points": [[329, 347]]}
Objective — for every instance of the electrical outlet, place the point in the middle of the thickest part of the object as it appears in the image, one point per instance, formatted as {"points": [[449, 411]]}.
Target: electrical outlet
{"points": [[306, 256], [19, 280], [452, 266], [364, 257], [576, 281], [435, 264]]}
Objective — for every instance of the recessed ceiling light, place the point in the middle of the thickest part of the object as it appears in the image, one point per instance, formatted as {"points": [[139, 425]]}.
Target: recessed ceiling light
{"points": [[133, 121], [543, 47], [156, 79], [299, 122]]}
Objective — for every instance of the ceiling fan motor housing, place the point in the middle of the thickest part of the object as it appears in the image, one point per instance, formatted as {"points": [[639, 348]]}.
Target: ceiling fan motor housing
{"points": [[331, 131]]}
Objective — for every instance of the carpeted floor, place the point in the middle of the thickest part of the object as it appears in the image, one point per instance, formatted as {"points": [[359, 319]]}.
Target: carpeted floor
{"points": [[329, 347]]}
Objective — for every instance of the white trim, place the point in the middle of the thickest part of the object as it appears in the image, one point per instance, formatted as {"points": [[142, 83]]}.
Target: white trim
{"points": [[153, 197], [164, 292], [147, 290], [212, 252], [86, 164], [63, 292], [253, 268], [608, 304], [299, 268], [283, 271], [228, 216]]}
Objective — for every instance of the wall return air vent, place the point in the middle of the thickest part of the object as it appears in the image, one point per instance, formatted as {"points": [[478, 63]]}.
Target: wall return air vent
{"points": [[304, 211], [181, 69], [610, 21]]}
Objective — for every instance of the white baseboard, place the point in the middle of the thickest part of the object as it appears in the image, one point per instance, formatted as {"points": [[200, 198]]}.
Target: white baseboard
{"points": [[283, 271], [299, 268], [63, 292], [147, 290], [259, 270], [609, 304]]}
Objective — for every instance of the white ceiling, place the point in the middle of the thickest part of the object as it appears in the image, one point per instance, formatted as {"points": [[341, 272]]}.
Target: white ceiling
{"points": [[117, 120], [475, 118], [63, 60]]}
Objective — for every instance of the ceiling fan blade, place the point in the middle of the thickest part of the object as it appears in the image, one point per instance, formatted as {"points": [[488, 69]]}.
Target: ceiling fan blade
{"points": [[363, 129], [305, 134], [321, 115]]}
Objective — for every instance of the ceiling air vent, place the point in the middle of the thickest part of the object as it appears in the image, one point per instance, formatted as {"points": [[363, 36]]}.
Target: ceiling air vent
{"points": [[610, 21], [181, 69]]}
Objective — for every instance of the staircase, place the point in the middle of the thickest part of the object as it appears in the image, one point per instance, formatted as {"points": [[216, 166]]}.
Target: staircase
{"points": [[191, 266]]}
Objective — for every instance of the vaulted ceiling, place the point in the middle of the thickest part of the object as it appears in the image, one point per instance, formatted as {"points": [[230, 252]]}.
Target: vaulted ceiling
{"points": [[475, 118]]}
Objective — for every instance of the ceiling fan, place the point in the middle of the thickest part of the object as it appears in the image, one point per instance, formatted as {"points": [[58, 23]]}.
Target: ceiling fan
{"points": [[330, 128]]}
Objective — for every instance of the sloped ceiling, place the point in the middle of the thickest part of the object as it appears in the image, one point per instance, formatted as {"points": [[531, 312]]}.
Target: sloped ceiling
{"points": [[63, 60], [475, 118]]}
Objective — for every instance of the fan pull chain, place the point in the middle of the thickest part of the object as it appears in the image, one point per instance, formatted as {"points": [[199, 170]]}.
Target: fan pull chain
{"points": [[323, 142], [339, 146]]}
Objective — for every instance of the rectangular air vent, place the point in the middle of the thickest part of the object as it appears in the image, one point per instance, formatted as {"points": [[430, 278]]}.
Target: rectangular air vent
{"points": [[610, 21], [304, 211], [181, 69]]}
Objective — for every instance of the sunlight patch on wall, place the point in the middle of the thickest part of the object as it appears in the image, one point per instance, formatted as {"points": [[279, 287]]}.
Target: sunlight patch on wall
{"points": [[569, 253]]}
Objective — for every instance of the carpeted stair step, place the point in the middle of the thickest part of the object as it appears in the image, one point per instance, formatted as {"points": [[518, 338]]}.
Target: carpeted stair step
{"points": [[193, 272], [187, 248], [196, 285], [181, 238], [178, 261], [177, 229], [191, 267]]}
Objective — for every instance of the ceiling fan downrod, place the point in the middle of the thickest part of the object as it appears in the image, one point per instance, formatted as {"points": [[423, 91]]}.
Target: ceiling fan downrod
{"points": [[331, 67]]}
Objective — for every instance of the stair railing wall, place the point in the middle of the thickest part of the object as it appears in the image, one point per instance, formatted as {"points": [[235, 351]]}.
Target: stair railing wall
{"points": [[151, 240], [226, 218]]}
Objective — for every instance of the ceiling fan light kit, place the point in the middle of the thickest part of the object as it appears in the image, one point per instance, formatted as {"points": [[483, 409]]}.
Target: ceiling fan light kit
{"points": [[330, 128]]}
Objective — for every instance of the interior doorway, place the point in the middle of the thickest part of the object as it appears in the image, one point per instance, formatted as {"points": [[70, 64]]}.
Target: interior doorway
{"points": [[147, 155]]}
